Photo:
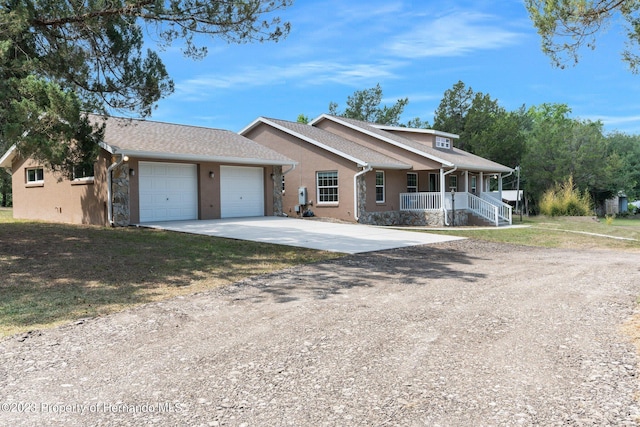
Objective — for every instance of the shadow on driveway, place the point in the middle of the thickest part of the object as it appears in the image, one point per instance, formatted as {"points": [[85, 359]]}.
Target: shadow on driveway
{"points": [[416, 265]]}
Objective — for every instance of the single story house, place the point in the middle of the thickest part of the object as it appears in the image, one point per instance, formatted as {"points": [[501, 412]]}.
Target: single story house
{"points": [[151, 171], [374, 174]]}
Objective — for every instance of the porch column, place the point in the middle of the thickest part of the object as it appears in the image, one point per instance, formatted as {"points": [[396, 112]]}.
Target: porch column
{"points": [[500, 186], [466, 181], [442, 186], [481, 190]]}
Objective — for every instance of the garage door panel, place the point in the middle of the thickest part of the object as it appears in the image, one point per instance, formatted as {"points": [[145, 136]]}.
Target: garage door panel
{"points": [[168, 191], [241, 191]]}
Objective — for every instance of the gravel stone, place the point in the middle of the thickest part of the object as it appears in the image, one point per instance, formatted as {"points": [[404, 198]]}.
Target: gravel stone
{"points": [[454, 334]]}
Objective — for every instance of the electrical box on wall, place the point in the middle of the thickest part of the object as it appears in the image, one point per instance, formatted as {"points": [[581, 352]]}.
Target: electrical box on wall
{"points": [[302, 195]]}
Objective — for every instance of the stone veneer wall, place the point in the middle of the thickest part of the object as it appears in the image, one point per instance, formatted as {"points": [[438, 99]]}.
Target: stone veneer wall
{"points": [[412, 218], [120, 194], [277, 191]]}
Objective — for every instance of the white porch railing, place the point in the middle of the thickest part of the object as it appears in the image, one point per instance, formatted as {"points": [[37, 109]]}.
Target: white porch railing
{"points": [[420, 201], [504, 209], [487, 207]]}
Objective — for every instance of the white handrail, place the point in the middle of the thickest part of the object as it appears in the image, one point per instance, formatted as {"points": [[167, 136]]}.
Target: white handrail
{"points": [[504, 210], [484, 209]]}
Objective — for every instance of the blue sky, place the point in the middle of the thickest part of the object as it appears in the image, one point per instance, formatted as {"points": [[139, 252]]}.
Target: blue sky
{"points": [[414, 49]]}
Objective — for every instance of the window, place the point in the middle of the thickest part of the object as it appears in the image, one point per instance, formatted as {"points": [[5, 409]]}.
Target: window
{"points": [[474, 184], [412, 182], [35, 175], [327, 183], [442, 142], [379, 187], [83, 171], [453, 183]]}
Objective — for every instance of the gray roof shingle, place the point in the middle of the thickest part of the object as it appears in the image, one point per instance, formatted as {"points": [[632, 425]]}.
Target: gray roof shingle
{"points": [[455, 156], [160, 140], [362, 155]]}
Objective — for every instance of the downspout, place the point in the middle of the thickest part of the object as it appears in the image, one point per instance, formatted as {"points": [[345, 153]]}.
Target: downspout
{"points": [[355, 190], [442, 192], [110, 190]]}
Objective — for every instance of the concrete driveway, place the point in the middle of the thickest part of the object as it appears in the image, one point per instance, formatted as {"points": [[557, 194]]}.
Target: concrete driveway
{"points": [[305, 233]]}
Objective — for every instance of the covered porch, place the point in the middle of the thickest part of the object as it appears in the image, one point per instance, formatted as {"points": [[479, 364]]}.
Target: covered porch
{"points": [[462, 193]]}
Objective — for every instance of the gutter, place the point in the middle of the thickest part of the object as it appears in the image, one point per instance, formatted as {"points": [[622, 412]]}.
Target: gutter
{"points": [[355, 190], [442, 187], [110, 190]]}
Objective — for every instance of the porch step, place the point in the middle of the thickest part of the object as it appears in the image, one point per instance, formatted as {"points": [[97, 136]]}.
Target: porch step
{"points": [[483, 221]]}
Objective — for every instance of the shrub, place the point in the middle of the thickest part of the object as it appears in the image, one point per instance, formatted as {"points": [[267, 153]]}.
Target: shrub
{"points": [[565, 200]]}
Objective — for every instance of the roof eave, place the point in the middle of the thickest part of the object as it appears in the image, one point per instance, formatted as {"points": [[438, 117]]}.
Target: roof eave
{"points": [[6, 161], [199, 158], [389, 166], [490, 169], [251, 125]]}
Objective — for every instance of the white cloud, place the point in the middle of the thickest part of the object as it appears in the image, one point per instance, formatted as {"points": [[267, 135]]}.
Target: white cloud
{"points": [[306, 73], [453, 35]]}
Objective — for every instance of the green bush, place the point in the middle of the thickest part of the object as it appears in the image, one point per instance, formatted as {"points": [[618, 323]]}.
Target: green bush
{"points": [[565, 200]]}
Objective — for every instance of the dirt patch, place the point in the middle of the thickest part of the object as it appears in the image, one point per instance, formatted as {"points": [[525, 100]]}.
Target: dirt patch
{"points": [[457, 334]]}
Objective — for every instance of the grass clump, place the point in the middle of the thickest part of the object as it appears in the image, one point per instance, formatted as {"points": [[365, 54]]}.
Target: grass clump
{"points": [[565, 200]]}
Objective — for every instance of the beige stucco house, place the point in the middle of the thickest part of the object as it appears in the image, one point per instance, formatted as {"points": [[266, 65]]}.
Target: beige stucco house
{"points": [[333, 167], [357, 171], [151, 171]]}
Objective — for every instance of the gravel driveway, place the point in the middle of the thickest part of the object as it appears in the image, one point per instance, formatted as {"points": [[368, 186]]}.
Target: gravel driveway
{"points": [[455, 334]]}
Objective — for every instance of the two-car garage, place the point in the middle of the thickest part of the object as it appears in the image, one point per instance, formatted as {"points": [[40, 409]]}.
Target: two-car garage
{"points": [[169, 191]]}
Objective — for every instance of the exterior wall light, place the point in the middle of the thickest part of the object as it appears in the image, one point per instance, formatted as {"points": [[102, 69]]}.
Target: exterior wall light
{"points": [[212, 175], [132, 172]]}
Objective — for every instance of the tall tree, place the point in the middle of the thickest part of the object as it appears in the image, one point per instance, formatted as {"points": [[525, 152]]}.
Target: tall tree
{"points": [[627, 148], [566, 26], [493, 132], [452, 111], [59, 58], [560, 147], [485, 128], [546, 159], [365, 105]]}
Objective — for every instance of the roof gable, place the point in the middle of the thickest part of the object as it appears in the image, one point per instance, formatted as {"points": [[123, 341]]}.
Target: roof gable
{"points": [[453, 157], [332, 143]]}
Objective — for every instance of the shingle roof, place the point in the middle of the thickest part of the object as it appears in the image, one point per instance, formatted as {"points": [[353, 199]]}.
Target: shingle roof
{"points": [[343, 147], [453, 157], [160, 140]]}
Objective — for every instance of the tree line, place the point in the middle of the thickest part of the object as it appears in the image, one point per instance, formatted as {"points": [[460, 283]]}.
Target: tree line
{"points": [[547, 144]]}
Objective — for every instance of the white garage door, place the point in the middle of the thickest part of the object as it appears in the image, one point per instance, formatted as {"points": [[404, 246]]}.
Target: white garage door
{"points": [[241, 191], [168, 191]]}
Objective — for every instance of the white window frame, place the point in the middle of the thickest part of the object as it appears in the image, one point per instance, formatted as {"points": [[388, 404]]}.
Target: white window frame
{"points": [[474, 184], [412, 188], [323, 198], [82, 179], [442, 142], [380, 186], [36, 180]]}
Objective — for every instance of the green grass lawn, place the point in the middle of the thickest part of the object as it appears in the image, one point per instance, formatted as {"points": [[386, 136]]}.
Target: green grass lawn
{"points": [[56, 273], [562, 232]]}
